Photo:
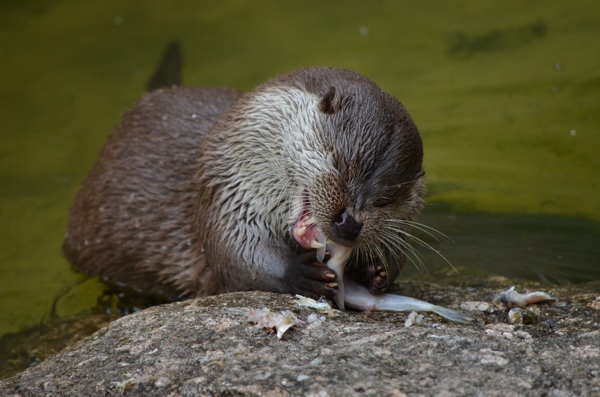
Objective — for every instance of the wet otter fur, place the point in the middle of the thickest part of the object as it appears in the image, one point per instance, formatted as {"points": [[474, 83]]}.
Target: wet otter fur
{"points": [[206, 190]]}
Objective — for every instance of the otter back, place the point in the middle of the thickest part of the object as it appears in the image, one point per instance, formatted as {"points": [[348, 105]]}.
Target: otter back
{"points": [[131, 220]]}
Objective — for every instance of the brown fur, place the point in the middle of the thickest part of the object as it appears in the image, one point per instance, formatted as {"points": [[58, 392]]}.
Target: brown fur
{"points": [[184, 205], [131, 221]]}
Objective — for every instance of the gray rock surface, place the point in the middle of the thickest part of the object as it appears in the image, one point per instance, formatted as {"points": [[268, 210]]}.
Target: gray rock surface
{"points": [[207, 347]]}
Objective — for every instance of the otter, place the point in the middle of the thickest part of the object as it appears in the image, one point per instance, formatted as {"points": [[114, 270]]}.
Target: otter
{"points": [[305, 185]]}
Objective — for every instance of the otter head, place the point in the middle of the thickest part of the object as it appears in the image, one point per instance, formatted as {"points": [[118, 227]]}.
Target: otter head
{"points": [[357, 170], [320, 154]]}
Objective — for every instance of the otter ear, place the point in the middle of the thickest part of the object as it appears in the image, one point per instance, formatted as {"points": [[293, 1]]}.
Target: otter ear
{"points": [[330, 102]]}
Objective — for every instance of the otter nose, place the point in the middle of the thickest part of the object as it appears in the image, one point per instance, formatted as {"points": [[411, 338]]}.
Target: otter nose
{"points": [[347, 226]]}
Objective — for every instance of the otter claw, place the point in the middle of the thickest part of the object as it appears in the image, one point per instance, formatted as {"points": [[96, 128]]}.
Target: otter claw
{"points": [[329, 275]]}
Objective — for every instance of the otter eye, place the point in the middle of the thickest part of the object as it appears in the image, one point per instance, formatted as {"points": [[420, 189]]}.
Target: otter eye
{"points": [[384, 201], [393, 194]]}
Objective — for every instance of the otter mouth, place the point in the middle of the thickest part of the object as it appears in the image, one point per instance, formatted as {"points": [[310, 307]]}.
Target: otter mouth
{"points": [[306, 232]]}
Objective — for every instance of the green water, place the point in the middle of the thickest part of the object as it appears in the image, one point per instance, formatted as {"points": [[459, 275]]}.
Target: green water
{"points": [[506, 95]]}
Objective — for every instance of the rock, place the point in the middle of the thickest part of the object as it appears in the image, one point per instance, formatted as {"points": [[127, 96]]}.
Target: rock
{"points": [[207, 346]]}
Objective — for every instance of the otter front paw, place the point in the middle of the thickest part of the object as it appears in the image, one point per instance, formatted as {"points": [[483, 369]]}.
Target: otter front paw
{"points": [[309, 277], [372, 275], [379, 282]]}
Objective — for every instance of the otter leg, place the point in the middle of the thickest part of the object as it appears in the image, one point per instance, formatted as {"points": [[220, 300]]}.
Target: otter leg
{"points": [[309, 277], [375, 275]]}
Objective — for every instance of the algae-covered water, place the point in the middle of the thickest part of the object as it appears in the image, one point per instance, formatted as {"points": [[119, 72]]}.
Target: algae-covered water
{"points": [[506, 95]]}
